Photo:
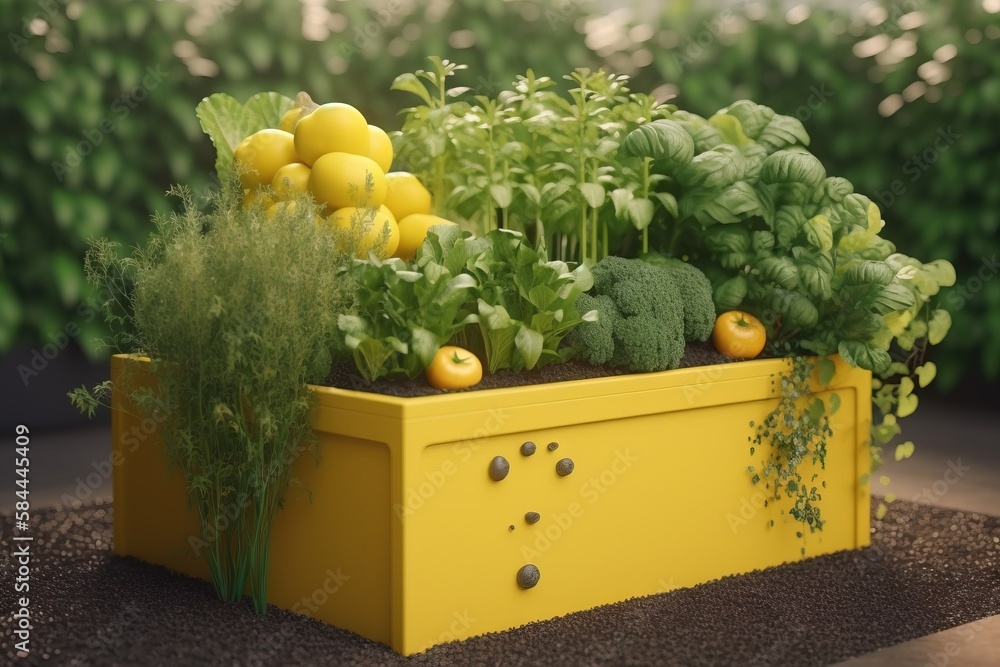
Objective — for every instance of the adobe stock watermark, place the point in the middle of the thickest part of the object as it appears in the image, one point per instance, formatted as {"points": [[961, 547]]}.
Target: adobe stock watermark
{"points": [[365, 35], [123, 105], [917, 166], [99, 643], [272, 642], [558, 13], [591, 490], [104, 469], [234, 510], [86, 311], [711, 30], [959, 295], [433, 481], [952, 649], [457, 629], [953, 474], [47, 10]]}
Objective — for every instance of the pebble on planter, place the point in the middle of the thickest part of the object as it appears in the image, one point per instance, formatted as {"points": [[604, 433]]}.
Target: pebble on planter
{"points": [[564, 467], [528, 448], [499, 467], [528, 576], [532, 517], [553, 446]]}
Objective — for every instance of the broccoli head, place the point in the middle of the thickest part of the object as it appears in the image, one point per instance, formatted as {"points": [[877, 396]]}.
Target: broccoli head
{"points": [[642, 307], [594, 339], [696, 292]]}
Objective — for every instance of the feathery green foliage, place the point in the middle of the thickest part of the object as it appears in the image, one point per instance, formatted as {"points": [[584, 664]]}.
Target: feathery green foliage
{"points": [[237, 312]]}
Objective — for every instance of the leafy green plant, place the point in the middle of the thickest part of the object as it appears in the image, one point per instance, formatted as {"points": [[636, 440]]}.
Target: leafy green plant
{"points": [[532, 160], [405, 313], [230, 354], [227, 122], [526, 305], [493, 294], [799, 250], [919, 142], [793, 434]]}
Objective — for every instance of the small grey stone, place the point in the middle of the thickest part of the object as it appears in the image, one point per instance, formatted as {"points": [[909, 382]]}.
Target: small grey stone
{"points": [[528, 448], [553, 446], [532, 517], [564, 467], [528, 576], [499, 467]]}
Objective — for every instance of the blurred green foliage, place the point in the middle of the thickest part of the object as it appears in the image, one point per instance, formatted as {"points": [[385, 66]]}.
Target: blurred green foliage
{"points": [[98, 110], [930, 165], [61, 75]]}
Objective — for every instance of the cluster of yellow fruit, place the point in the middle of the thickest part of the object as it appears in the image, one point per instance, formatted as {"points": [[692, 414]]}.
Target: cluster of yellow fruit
{"points": [[332, 152]]}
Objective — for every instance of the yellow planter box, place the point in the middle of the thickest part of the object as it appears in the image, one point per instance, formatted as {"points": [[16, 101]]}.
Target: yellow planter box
{"points": [[401, 533]]}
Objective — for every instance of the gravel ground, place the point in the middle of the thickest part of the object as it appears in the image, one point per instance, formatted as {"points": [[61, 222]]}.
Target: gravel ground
{"points": [[928, 569]]}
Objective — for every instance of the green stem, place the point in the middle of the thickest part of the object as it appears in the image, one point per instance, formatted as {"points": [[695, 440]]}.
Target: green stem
{"points": [[645, 195]]}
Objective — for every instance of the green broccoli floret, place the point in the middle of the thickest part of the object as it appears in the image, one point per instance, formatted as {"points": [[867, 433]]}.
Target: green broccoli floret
{"points": [[594, 339], [642, 306], [696, 295]]}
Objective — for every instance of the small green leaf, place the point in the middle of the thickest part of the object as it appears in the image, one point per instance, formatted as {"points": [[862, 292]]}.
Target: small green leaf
{"points": [[926, 373], [834, 402], [938, 326], [529, 344], [502, 194], [907, 404], [904, 450], [792, 166], [819, 232], [827, 368], [660, 140], [593, 193], [668, 201], [411, 84]]}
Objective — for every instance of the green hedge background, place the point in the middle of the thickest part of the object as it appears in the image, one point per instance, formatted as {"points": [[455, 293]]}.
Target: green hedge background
{"points": [[97, 108]]}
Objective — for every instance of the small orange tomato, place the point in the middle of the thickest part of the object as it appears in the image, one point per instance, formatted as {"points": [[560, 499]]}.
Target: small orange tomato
{"points": [[738, 335], [454, 368]]}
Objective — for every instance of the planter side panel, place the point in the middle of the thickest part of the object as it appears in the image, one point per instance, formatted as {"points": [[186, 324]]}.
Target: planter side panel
{"points": [[655, 501], [330, 545]]}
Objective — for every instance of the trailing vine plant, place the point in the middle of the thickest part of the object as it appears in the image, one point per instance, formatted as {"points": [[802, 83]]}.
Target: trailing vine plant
{"points": [[794, 434]]}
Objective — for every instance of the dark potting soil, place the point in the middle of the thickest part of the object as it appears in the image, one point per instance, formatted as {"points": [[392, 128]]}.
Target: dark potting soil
{"points": [[345, 376], [928, 569]]}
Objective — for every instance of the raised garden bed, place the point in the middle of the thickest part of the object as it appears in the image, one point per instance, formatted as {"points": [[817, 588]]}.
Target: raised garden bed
{"points": [[403, 531]]}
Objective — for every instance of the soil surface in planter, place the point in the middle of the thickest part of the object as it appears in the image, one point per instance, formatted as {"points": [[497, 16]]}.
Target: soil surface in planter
{"points": [[345, 376]]}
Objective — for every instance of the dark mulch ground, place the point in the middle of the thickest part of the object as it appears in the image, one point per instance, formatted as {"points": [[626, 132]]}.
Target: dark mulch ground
{"points": [[928, 569], [346, 376]]}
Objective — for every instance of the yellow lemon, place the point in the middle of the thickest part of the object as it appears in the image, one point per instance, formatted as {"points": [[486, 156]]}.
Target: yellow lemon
{"points": [[262, 154], [380, 148], [290, 180], [344, 179], [413, 230], [285, 206], [368, 226], [289, 118], [331, 128], [256, 196], [405, 195]]}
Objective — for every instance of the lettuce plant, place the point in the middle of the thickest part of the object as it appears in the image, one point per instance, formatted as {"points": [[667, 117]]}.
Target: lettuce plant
{"points": [[495, 294]]}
